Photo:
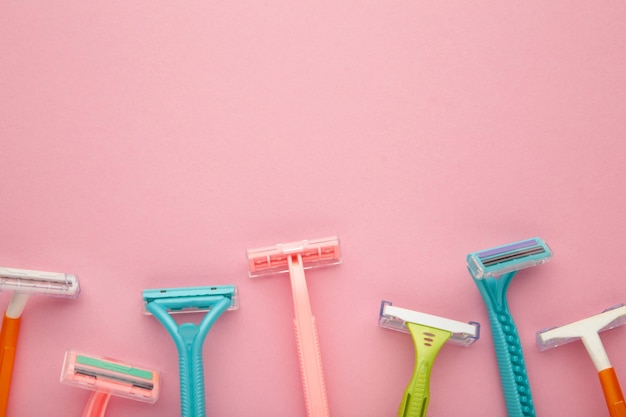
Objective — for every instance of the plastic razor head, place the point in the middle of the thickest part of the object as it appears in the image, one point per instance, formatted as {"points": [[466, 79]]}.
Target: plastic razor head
{"points": [[508, 258], [110, 376], [274, 259], [557, 336], [191, 299], [395, 318], [39, 282]]}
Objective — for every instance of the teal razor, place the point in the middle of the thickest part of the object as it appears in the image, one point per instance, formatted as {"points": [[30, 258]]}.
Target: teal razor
{"points": [[492, 271], [190, 337]]}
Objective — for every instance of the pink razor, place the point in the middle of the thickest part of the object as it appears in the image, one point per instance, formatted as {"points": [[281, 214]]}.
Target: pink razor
{"points": [[106, 377], [295, 258]]}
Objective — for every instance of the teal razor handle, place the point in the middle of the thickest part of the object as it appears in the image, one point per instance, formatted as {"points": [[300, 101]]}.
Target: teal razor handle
{"points": [[506, 341], [492, 271], [189, 337]]}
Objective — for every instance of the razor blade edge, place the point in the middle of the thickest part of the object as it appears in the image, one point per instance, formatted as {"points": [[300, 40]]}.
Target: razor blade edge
{"points": [[557, 336], [191, 299], [274, 259], [110, 376], [395, 318], [28, 281], [500, 260]]}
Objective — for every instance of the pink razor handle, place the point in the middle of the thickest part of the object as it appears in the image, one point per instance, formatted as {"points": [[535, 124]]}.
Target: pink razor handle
{"points": [[96, 405], [308, 345]]}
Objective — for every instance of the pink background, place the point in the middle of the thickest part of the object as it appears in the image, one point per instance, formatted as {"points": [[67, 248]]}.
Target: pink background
{"points": [[148, 144]]}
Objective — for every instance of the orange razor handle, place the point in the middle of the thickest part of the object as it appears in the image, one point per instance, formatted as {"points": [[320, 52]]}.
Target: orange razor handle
{"points": [[612, 393], [8, 343]]}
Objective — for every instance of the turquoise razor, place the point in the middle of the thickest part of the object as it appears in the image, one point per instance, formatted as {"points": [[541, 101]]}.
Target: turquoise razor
{"points": [[190, 337], [492, 271]]}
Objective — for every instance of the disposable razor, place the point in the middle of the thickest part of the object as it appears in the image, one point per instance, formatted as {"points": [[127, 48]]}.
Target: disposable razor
{"points": [[106, 377], [294, 258], [588, 331], [492, 271], [429, 334], [190, 337], [22, 283]]}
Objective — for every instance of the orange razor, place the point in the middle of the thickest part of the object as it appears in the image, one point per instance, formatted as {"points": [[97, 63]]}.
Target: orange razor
{"points": [[23, 283], [587, 330]]}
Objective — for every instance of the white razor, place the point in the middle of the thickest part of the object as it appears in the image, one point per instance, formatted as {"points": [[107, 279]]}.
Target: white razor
{"points": [[588, 331], [24, 282]]}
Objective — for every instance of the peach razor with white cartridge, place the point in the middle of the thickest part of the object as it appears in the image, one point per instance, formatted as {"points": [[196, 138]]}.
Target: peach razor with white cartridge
{"points": [[588, 331], [106, 377], [294, 258], [23, 283]]}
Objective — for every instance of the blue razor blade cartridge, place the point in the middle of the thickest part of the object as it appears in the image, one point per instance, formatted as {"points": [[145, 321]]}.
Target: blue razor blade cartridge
{"points": [[508, 258], [191, 299]]}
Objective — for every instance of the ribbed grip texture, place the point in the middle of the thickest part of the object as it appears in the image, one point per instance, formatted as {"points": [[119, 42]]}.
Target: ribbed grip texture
{"points": [[192, 399], [506, 341], [416, 400], [198, 388], [311, 370], [186, 403], [511, 364]]}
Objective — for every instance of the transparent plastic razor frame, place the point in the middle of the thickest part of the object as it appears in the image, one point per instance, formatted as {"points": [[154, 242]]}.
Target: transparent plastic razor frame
{"points": [[273, 259], [39, 282], [500, 260], [551, 343], [395, 318], [191, 299], [110, 376]]}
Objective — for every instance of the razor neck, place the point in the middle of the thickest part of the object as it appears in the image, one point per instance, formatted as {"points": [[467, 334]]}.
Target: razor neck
{"points": [[428, 341], [494, 290], [596, 350], [300, 293], [189, 337], [16, 305], [96, 404]]}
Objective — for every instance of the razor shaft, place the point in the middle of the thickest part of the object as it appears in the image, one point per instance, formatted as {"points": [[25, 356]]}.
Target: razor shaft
{"points": [[428, 341], [311, 369], [189, 339], [96, 404], [508, 348], [8, 344], [612, 393]]}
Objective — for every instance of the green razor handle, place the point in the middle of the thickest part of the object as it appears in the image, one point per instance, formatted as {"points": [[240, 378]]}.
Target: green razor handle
{"points": [[428, 341], [429, 334]]}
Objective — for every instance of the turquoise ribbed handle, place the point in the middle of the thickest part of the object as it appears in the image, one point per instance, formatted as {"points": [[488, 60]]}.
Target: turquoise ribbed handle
{"points": [[506, 341], [197, 370], [186, 385], [189, 339]]}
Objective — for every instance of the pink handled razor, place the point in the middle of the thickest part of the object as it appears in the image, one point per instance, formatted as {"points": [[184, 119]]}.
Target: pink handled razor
{"points": [[295, 258], [106, 377]]}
